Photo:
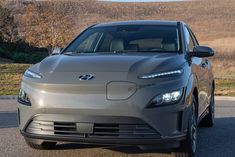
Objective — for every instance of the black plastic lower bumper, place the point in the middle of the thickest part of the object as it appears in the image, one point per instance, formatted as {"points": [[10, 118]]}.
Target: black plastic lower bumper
{"points": [[108, 141]]}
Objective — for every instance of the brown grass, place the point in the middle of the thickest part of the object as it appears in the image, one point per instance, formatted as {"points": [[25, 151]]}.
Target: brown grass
{"points": [[212, 20], [10, 77]]}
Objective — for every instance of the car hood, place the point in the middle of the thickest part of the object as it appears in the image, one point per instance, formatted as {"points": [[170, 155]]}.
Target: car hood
{"points": [[132, 63], [115, 76]]}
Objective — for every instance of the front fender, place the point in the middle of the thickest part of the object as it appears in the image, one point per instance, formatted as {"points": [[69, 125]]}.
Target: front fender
{"points": [[191, 86]]}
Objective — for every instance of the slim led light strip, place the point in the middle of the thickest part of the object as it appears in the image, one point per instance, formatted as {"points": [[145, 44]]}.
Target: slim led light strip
{"points": [[150, 76]]}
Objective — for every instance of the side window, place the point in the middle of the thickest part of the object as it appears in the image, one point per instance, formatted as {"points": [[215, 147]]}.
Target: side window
{"points": [[104, 45], [194, 37], [189, 40], [86, 45]]}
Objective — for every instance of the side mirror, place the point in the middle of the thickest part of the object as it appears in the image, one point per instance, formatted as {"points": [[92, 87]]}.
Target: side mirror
{"points": [[202, 51], [56, 51]]}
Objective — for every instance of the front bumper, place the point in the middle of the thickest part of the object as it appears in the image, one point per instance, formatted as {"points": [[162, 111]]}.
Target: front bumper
{"points": [[105, 130], [68, 125], [121, 119]]}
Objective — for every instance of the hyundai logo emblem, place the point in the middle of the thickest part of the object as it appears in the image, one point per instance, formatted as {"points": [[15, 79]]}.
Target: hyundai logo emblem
{"points": [[85, 77]]}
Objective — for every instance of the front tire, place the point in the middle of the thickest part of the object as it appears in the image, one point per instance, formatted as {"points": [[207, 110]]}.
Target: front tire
{"points": [[188, 146]]}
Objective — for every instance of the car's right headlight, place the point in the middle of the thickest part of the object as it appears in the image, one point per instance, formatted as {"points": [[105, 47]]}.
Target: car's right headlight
{"points": [[167, 98], [31, 74]]}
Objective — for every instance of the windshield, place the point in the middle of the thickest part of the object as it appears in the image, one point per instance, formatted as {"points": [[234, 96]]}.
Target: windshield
{"points": [[124, 39]]}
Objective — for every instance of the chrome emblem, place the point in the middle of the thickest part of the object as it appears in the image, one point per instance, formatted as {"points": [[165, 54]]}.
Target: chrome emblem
{"points": [[86, 77]]}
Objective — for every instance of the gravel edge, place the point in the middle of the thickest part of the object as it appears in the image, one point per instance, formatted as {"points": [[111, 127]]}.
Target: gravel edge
{"points": [[8, 97]]}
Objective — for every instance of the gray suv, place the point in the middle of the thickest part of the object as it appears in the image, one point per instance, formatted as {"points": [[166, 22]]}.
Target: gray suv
{"points": [[144, 83]]}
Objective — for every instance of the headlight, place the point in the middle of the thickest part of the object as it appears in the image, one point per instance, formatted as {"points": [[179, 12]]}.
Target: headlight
{"points": [[154, 75], [23, 98], [167, 98], [31, 74]]}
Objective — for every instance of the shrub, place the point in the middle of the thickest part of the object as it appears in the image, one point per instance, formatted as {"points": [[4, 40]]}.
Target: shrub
{"points": [[26, 58]]}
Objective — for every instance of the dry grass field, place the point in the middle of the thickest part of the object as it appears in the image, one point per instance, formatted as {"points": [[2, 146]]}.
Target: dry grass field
{"points": [[10, 78], [56, 22]]}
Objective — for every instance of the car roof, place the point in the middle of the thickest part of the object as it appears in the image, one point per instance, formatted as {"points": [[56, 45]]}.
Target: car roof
{"points": [[138, 22]]}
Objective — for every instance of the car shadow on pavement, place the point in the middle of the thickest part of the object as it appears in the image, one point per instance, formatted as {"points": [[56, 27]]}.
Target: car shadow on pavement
{"points": [[122, 149], [137, 150], [8, 119]]}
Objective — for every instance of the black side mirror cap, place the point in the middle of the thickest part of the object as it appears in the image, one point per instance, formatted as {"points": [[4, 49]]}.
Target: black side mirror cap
{"points": [[202, 51]]}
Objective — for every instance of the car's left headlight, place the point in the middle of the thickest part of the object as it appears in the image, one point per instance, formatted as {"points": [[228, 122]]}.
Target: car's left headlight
{"points": [[167, 98], [31, 74], [23, 98]]}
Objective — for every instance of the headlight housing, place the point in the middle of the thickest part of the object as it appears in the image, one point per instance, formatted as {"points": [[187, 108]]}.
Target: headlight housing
{"points": [[167, 73], [31, 74], [167, 98], [23, 98]]}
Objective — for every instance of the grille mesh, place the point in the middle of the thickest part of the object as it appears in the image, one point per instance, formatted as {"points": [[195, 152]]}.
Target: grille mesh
{"points": [[100, 130]]}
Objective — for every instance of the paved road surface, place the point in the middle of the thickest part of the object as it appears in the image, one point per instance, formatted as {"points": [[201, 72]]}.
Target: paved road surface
{"points": [[218, 141]]}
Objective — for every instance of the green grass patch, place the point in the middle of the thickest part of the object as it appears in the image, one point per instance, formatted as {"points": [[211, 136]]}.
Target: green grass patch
{"points": [[225, 87]]}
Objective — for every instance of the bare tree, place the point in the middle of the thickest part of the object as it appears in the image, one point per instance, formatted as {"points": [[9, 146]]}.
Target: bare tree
{"points": [[8, 28]]}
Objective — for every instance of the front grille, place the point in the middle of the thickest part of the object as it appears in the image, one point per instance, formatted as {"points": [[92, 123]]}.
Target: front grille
{"points": [[100, 130], [124, 130]]}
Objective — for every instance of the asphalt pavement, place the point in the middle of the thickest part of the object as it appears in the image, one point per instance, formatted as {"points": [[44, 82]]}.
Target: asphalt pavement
{"points": [[218, 141]]}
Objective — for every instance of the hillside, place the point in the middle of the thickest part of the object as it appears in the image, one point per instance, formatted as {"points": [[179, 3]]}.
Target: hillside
{"points": [[56, 22]]}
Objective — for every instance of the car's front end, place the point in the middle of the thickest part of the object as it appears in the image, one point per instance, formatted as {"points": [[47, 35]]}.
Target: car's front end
{"points": [[111, 108], [120, 98]]}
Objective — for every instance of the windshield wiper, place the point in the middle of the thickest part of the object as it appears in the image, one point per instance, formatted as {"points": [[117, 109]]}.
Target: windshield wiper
{"points": [[119, 51], [84, 52], [69, 53]]}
